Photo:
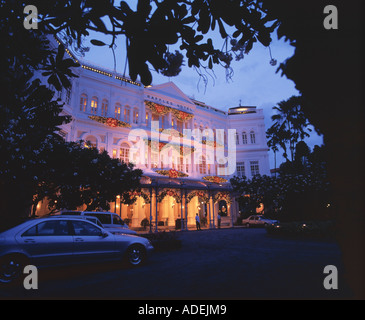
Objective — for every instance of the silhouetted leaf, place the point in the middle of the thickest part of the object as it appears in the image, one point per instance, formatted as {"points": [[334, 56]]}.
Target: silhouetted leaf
{"points": [[97, 43]]}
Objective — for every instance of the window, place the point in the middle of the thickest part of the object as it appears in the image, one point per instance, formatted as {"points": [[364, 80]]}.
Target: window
{"points": [[179, 125], [83, 102], [254, 168], [117, 111], [48, 228], [240, 169], [94, 105], [127, 113], [154, 159], [180, 165], [103, 218], [83, 228], [237, 138], [244, 138], [68, 95], [147, 118], [203, 166], [252, 137], [91, 141], [117, 220], [104, 107], [135, 116], [124, 153]]}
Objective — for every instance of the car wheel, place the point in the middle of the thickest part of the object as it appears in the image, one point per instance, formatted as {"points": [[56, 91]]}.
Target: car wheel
{"points": [[136, 255], [247, 225], [11, 268]]}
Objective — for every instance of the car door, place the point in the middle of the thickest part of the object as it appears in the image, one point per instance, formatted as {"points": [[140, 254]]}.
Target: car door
{"points": [[260, 222], [92, 243], [252, 220], [48, 243]]}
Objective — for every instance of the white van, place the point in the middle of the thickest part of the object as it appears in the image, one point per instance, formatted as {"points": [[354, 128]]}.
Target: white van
{"points": [[109, 220]]}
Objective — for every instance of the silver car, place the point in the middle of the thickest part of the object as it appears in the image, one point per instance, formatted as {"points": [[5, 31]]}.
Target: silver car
{"points": [[47, 241], [258, 221], [110, 221]]}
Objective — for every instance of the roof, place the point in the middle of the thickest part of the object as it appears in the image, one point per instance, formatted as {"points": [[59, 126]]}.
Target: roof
{"points": [[156, 180]]}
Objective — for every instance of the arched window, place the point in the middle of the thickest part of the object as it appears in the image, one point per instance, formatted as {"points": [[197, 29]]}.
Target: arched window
{"points": [[252, 137], [90, 141], [94, 105], [83, 102], [124, 153], [127, 114], [104, 107], [117, 111], [244, 137]]}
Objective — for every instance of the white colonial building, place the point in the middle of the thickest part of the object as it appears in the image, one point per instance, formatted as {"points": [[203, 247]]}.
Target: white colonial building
{"points": [[187, 150]]}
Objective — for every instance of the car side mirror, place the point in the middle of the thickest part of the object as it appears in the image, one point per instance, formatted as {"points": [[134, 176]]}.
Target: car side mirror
{"points": [[103, 234]]}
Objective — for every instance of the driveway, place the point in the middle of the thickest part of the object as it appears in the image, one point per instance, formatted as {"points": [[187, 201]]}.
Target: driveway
{"points": [[234, 263]]}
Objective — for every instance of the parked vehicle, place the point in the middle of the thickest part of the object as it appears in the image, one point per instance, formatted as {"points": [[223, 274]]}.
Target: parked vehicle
{"points": [[258, 221], [110, 221], [88, 218], [65, 240]]}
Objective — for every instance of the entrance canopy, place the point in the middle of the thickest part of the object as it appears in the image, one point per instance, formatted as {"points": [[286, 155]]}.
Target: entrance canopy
{"points": [[154, 180]]}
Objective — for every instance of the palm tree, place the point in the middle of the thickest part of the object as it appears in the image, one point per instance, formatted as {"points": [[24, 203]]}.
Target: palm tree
{"points": [[276, 138], [290, 124]]}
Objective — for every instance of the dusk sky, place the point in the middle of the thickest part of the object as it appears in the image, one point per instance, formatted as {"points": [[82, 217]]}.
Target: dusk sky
{"points": [[255, 82]]}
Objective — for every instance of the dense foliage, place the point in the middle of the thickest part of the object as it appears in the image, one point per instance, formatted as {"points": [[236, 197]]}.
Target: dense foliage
{"points": [[148, 28], [36, 163], [301, 191]]}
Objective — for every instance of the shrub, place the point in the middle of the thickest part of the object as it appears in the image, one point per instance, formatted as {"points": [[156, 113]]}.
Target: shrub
{"points": [[145, 223]]}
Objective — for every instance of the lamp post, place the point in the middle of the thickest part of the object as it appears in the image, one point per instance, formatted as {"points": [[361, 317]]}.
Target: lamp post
{"points": [[182, 207], [151, 209]]}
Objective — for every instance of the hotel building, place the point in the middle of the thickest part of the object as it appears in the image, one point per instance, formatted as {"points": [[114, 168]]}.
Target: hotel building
{"points": [[187, 149]]}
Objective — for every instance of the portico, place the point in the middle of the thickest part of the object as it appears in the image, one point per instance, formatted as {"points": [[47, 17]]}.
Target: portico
{"points": [[168, 203]]}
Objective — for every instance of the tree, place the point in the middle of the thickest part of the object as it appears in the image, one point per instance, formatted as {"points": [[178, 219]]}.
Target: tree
{"points": [[326, 69], [30, 118], [276, 137], [79, 175], [290, 125], [300, 192], [153, 26]]}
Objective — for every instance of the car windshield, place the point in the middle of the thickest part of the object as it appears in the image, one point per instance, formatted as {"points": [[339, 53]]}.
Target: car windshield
{"points": [[95, 220], [117, 220], [103, 218]]}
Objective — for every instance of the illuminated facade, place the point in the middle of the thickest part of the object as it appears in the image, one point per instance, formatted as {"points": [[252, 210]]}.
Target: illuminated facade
{"points": [[187, 150]]}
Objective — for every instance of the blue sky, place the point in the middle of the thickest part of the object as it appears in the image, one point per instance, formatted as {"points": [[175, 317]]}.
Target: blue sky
{"points": [[255, 82]]}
